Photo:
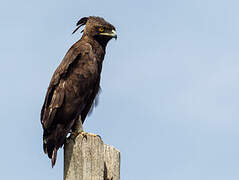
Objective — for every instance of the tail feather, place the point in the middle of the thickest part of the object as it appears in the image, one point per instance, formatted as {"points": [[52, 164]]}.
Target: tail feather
{"points": [[51, 150], [53, 158], [54, 139]]}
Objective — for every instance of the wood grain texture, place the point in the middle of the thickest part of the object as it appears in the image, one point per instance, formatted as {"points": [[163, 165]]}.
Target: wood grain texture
{"points": [[111, 163], [87, 158]]}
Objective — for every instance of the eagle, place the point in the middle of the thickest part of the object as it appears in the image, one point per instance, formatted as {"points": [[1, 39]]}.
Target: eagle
{"points": [[75, 84]]}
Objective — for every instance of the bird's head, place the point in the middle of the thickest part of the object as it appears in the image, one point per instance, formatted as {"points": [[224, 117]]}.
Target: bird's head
{"points": [[97, 28]]}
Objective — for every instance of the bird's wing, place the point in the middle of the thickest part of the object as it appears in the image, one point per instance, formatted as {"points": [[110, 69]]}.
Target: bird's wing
{"points": [[92, 101], [56, 90]]}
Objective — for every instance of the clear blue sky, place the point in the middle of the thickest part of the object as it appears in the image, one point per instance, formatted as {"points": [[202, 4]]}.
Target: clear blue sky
{"points": [[170, 91]]}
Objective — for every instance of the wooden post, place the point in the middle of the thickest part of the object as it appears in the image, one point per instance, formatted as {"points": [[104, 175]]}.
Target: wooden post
{"points": [[88, 158]]}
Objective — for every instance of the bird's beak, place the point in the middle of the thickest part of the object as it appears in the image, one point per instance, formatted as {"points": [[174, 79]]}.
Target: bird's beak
{"points": [[112, 34]]}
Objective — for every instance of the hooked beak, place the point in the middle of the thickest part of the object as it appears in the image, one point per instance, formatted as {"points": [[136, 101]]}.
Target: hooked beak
{"points": [[112, 34]]}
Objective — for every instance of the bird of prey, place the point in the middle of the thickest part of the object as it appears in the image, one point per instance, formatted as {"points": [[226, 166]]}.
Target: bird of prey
{"points": [[74, 84]]}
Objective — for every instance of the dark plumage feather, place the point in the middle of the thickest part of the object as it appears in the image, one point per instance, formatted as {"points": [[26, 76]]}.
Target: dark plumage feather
{"points": [[74, 85], [80, 23]]}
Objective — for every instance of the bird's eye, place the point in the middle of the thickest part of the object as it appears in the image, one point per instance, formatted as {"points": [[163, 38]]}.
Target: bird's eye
{"points": [[101, 29]]}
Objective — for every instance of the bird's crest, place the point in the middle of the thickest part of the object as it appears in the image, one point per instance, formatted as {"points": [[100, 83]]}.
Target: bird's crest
{"points": [[80, 23]]}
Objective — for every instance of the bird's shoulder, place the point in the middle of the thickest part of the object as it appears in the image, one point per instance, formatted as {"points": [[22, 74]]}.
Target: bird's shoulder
{"points": [[80, 51]]}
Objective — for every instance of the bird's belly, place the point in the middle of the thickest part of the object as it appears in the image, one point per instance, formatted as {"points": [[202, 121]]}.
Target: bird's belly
{"points": [[77, 93], [70, 110]]}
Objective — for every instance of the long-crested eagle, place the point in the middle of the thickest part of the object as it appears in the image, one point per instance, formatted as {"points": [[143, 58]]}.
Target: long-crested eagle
{"points": [[74, 84]]}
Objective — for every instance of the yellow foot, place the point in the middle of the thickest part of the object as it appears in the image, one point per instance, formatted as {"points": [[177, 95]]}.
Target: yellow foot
{"points": [[84, 134]]}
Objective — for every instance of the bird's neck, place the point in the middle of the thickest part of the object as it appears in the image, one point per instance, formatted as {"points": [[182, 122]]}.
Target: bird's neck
{"points": [[102, 41], [97, 47], [98, 41]]}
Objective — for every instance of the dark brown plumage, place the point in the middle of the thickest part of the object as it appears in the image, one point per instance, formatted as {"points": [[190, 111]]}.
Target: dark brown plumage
{"points": [[74, 84]]}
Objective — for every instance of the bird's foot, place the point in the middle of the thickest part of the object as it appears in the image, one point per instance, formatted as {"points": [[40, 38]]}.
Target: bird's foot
{"points": [[85, 134], [73, 135]]}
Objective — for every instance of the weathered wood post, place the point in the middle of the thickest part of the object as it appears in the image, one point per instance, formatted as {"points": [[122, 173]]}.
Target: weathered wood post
{"points": [[88, 158]]}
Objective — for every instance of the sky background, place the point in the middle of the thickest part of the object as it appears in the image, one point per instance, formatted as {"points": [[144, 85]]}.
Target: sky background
{"points": [[169, 98]]}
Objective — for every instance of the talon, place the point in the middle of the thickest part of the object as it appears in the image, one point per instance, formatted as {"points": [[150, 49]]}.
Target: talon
{"points": [[98, 136], [72, 137], [84, 134]]}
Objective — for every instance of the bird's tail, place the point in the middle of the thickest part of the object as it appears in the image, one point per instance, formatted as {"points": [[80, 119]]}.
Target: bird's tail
{"points": [[54, 139], [51, 150]]}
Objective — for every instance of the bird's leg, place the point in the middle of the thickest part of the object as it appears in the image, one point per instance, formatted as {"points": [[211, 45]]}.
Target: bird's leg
{"points": [[77, 128]]}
